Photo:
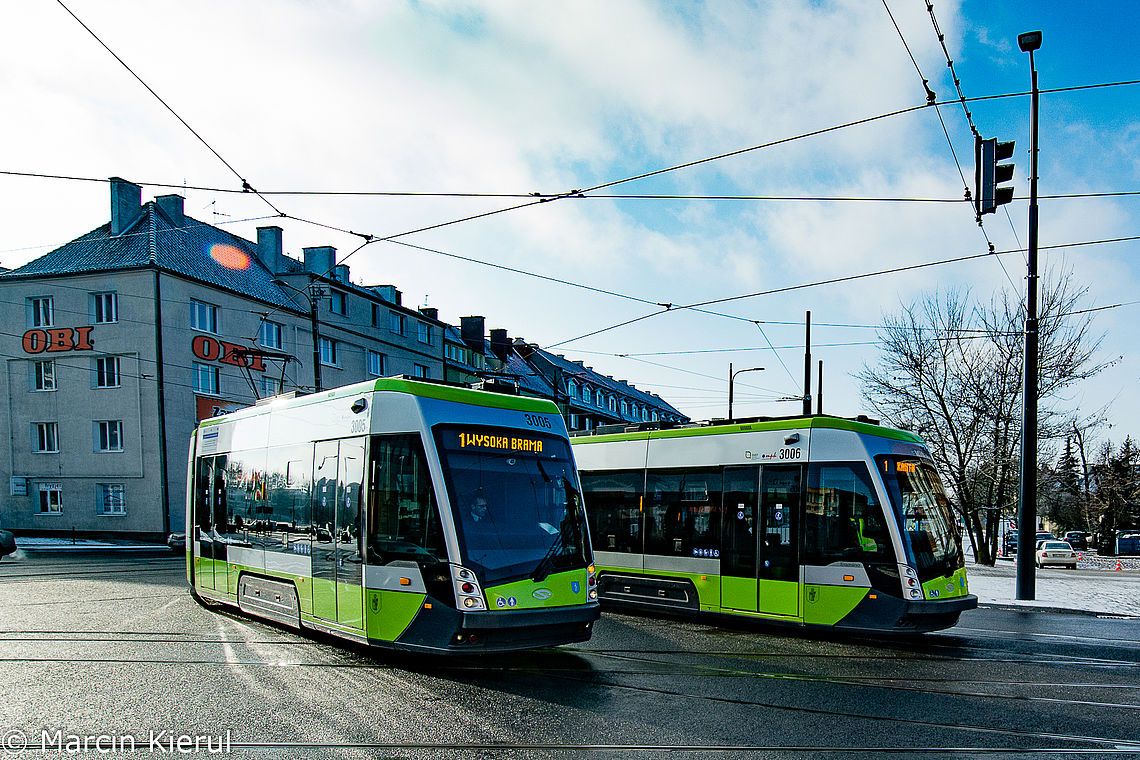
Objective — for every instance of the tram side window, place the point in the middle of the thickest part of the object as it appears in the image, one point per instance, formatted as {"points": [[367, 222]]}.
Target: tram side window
{"points": [[287, 506], [403, 516], [245, 494], [203, 518], [843, 519], [682, 513], [613, 509]]}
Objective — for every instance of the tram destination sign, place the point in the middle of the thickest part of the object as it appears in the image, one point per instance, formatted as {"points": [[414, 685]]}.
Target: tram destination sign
{"points": [[513, 444]]}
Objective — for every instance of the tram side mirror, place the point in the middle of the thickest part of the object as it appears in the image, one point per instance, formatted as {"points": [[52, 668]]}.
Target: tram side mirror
{"points": [[790, 439], [359, 405]]}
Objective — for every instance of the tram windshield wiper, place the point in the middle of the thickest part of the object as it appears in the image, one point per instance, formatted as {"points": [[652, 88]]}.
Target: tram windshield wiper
{"points": [[546, 564]]}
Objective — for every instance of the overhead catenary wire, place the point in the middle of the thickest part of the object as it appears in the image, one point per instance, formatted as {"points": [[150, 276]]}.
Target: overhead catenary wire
{"points": [[836, 280], [592, 196]]}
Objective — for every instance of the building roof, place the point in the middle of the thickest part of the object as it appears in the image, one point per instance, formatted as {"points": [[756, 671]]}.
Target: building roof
{"points": [[192, 249], [584, 374]]}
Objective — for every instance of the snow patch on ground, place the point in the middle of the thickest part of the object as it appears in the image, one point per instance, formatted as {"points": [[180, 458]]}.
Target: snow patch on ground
{"points": [[1098, 589]]}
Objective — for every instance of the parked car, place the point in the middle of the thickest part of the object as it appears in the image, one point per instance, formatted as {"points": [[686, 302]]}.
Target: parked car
{"points": [[177, 543], [7, 543], [1079, 540], [1010, 547], [1056, 553]]}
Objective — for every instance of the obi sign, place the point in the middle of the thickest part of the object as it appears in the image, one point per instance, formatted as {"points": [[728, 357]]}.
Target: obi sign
{"points": [[58, 339], [211, 349]]}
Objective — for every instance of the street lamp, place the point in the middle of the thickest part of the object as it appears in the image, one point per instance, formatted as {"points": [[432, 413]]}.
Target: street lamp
{"points": [[1027, 495], [314, 292], [731, 377]]}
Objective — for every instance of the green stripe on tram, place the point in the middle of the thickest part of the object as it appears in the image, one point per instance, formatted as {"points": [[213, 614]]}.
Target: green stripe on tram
{"points": [[830, 423]]}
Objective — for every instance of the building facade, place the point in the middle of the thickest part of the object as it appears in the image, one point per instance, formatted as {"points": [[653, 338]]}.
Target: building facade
{"points": [[118, 342]]}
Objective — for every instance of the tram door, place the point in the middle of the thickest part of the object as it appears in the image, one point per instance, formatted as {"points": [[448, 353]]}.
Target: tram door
{"points": [[738, 581], [760, 546], [338, 475], [778, 566], [210, 519]]}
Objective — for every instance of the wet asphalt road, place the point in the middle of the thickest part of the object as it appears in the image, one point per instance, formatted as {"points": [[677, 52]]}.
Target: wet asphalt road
{"points": [[114, 645]]}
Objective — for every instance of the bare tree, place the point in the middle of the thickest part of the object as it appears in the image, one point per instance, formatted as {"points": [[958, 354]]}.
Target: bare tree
{"points": [[951, 370]]}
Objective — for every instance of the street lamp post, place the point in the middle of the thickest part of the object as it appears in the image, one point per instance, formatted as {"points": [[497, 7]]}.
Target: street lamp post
{"points": [[731, 377], [1027, 497], [312, 294]]}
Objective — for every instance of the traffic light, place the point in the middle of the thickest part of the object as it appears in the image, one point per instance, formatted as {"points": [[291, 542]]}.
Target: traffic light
{"points": [[989, 174]]}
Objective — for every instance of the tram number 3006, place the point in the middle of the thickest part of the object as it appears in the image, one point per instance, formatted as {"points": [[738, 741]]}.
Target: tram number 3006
{"points": [[790, 453]]}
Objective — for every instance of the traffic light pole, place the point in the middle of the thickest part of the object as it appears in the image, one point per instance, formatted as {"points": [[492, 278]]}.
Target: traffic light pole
{"points": [[1027, 498]]}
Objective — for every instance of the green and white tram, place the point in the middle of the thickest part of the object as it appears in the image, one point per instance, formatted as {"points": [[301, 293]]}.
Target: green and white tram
{"points": [[814, 521], [397, 513]]}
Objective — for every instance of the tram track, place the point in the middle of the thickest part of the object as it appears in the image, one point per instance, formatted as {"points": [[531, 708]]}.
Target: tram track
{"points": [[670, 670]]}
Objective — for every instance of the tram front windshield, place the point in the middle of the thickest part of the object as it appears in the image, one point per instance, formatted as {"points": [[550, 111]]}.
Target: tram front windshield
{"points": [[516, 501], [929, 534]]}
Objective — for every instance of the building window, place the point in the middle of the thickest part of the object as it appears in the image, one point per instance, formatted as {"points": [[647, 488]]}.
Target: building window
{"points": [[270, 386], [46, 438], [599, 399], [375, 315], [338, 302], [107, 373], [43, 375], [478, 360], [270, 335], [203, 317], [51, 498], [624, 408], [421, 371], [571, 389], [206, 378], [112, 499], [329, 352], [397, 322], [375, 363], [109, 435], [655, 418], [613, 404], [424, 333], [457, 353], [104, 308], [41, 311], [587, 394]]}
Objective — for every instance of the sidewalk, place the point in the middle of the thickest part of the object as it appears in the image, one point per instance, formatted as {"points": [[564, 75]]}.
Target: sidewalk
{"points": [[34, 543], [1098, 589]]}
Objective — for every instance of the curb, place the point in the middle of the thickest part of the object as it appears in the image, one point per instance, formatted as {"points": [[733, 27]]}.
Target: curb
{"points": [[1011, 607], [89, 548]]}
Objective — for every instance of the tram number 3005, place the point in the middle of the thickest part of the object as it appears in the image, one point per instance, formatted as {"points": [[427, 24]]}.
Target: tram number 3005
{"points": [[790, 453], [535, 421]]}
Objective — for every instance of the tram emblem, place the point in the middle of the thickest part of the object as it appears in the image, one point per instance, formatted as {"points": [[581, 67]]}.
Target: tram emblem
{"points": [[575, 587], [542, 594]]}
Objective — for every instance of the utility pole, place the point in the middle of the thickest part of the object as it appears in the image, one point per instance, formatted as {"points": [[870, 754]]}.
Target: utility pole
{"points": [[315, 293], [1027, 497], [807, 366], [819, 390], [730, 391]]}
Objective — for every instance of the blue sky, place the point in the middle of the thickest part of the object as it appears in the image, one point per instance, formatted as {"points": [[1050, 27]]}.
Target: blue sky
{"points": [[521, 97]]}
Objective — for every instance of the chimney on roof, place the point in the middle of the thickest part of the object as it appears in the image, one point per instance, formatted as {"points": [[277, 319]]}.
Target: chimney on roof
{"points": [[340, 273], [126, 204], [472, 329], [173, 207], [500, 344], [320, 260], [388, 293], [430, 312], [269, 248], [524, 349]]}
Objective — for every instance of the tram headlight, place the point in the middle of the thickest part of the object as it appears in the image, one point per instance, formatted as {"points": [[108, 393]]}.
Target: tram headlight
{"points": [[467, 591]]}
